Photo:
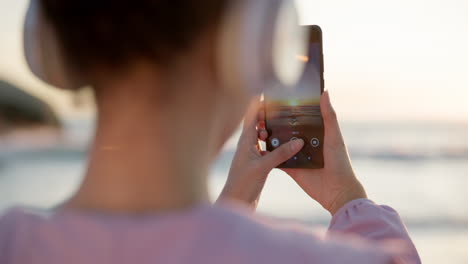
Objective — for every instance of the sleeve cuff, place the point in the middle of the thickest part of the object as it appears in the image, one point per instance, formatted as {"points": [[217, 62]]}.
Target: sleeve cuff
{"points": [[349, 205]]}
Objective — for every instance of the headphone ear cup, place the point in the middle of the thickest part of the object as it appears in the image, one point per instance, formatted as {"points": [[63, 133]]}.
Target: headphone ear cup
{"points": [[43, 52], [240, 38], [31, 41], [246, 44]]}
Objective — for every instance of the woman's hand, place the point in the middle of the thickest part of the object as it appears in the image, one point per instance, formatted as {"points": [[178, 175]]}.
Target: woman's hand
{"points": [[251, 166], [335, 184]]}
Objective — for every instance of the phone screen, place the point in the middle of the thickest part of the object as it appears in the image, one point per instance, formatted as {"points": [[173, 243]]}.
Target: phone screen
{"points": [[294, 112]]}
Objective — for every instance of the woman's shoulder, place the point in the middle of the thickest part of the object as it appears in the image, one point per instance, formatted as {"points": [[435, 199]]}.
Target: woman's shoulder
{"points": [[283, 241], [15, 218], [220, 229], [10, 217], [13, 227], [16, 215]]}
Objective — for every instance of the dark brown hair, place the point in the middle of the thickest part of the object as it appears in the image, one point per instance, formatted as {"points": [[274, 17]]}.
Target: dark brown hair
{"points": [[112, 33]]}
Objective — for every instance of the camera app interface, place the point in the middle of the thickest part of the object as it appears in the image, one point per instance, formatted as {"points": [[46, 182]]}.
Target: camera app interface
{"points": [[294, 112]]}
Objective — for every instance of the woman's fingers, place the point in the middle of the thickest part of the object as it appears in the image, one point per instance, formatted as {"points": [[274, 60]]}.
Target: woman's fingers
{"points": [[261, 113], [262, 134], [281, 154], [261, 125], [251, 117]]}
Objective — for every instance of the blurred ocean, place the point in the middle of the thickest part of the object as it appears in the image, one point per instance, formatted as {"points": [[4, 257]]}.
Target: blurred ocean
{"points": [[420, 169]]}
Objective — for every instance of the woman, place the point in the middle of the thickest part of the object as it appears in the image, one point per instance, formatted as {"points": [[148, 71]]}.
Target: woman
{"points": [[163, 116]]}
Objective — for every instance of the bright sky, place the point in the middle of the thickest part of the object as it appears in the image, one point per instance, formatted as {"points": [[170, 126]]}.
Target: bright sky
{"points": [[400, 59]]}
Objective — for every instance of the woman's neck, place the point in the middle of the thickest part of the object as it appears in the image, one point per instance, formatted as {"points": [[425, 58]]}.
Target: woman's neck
{"points": [[145, 157]]}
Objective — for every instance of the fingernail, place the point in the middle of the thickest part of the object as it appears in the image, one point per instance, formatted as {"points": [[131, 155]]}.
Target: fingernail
{"points": [[297, 145]]}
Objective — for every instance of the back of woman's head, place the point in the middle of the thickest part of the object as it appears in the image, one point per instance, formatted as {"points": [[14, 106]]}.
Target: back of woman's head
{"points": [[113, 33]]}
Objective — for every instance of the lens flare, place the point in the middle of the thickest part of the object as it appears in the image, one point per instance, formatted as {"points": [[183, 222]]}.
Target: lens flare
{"points": [[293, 102], [303, 58]]}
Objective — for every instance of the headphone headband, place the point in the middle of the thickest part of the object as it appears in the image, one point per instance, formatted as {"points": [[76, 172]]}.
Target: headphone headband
{"points": [[248, 38]]}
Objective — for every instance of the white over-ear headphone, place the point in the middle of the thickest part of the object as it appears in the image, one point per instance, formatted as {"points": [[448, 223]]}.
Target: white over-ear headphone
{"points": [[43, 52], [258, 46]]}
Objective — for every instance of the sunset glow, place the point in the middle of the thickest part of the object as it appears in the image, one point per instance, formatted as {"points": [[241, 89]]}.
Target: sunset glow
{"points": [[378, 55]]}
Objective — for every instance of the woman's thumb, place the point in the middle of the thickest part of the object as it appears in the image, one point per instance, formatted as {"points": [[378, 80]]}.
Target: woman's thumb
{"points": [[282, 154]]}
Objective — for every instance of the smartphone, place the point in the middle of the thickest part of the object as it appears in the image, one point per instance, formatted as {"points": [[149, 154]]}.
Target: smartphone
{"points": [[294, 112]]}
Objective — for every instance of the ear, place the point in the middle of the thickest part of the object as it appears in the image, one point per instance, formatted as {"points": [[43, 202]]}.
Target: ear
{"points": [[43, 51]]}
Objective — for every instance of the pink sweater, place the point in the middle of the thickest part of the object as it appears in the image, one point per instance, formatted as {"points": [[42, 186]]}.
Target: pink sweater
{"points": [[360, 232]]}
